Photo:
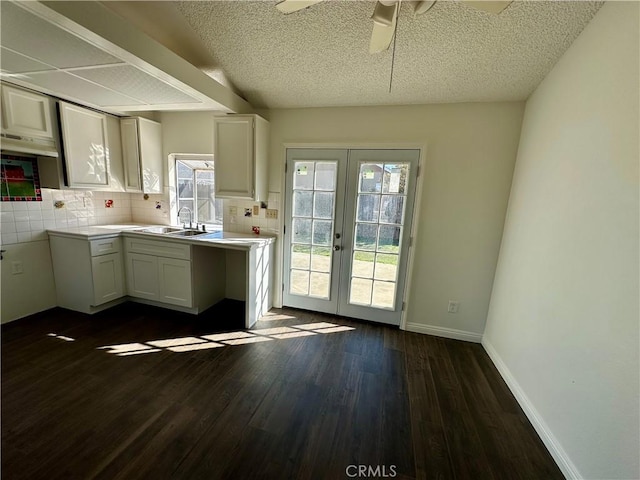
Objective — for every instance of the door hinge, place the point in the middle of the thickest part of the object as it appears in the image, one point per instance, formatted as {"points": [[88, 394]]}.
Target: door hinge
{"points": [[404, 304], [410, 242], [283, 287], [284, 229], [286, 167], [418, 171]]}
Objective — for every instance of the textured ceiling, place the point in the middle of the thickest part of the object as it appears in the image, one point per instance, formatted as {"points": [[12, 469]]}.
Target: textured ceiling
{"points": [[319, 56]]}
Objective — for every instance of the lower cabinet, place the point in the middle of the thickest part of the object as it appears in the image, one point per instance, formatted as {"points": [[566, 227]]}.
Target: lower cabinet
{"points": [[174, 279], [159, 278], [107, 278], [88, 273]]}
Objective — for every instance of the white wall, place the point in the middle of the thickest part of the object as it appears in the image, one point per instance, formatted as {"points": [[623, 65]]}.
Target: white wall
{"points": [[563, 323], [471, 150]]}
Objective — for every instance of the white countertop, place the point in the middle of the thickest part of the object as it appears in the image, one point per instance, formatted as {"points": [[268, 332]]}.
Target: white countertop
{"points": [[241, 241]]}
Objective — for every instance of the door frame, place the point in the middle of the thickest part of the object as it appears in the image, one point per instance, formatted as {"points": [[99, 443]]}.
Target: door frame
{"points": [[418, 145]]}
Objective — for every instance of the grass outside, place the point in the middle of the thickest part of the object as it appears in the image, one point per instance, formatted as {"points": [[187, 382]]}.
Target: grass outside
{"points": [[389, 256]]}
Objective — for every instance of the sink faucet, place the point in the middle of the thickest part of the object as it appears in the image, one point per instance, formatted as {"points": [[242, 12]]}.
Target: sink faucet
{"points": [[190, 213]]}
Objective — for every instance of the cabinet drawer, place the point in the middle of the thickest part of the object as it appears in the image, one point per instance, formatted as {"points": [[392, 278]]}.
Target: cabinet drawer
{"points": [[159, 248], [105, 246]]}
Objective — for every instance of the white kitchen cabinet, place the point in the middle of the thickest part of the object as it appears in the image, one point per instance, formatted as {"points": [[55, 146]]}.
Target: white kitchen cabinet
{"points": [[53, 174], [26, 114], [89, 274], [241, 144], [174, 278], [159, 271], [142, 154], [142, 276], [107, 278], [85, 145]]}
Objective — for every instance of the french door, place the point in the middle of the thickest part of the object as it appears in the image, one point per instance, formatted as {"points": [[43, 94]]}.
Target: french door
{"points": [[347, 227]]}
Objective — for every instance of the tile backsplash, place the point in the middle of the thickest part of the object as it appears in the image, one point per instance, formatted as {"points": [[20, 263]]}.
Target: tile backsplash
{"points": [[28, 221], [240, 223]]}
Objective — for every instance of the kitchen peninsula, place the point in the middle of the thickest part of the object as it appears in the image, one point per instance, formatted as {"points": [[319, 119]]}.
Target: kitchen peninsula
{"points": [[100, 266]]}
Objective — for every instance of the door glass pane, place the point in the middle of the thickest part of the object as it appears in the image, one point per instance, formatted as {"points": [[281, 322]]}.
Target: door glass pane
{"points": [[319, 284], [301, 230], [395, 178], [313, 214], [386, 267], [389, 239], [383, 294], [392, 209], [323, 204], [360, 292], [321, 259], [300, 256], [322, 232], [326, 176], [374, 276], [370, 178], [368, 208], [302, 202], [299, 282], [303, 174], [366, 235], [363, 263]]}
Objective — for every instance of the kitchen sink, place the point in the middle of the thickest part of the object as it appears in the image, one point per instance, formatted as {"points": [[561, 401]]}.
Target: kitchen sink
{"points": [[160, 230], [187, 233]]}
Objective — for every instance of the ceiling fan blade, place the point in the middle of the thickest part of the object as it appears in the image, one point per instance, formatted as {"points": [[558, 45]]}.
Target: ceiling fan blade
{"points": [[489, 6], [290, 6], [384, 27]]}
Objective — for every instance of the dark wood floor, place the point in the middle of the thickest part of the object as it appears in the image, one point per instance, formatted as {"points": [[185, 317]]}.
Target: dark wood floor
{"points": [[299, 408]]}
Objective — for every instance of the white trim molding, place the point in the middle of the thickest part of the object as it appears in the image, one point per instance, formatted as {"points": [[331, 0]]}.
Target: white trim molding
{"points": [[558, 453], [444, 332]]}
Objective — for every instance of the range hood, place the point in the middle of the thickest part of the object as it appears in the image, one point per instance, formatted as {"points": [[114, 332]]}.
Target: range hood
{"points": [[32, 146]]}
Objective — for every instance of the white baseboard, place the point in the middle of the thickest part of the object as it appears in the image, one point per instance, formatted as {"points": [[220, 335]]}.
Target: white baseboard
{"points": [[444, 332], [561, 457]]}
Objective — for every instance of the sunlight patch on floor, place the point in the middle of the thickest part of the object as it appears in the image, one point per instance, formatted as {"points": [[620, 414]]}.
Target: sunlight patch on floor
{"points": [[174, 342], [217, 340], [61, 337]]}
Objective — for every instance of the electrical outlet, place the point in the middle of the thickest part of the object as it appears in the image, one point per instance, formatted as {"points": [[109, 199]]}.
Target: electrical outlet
{"points": [[233, 210], [272, 213], [16, 268], [453, 306], [256, 210]]}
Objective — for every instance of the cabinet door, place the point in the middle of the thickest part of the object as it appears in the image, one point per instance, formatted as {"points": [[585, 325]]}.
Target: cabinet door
{"points": [[108, 281], [142, 276], [150, 155], [114, 155], [25, 113], [174, 277], [234, 157], [84, 135], [131, 154]]}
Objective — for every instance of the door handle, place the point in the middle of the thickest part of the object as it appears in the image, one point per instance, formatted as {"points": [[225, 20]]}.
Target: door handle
{"points": [[336, 247], [337, 235]]}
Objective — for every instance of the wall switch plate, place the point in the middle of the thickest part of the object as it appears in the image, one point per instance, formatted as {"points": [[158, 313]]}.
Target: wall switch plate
{"points": [[256, 210], [272, 213], [453, 306], [16, 268], [233, 210]]}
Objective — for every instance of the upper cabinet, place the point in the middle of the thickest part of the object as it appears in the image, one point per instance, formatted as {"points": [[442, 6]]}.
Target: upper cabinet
{"points": [[241, 144], [142, 154], [25, 113], [85, 144]]}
